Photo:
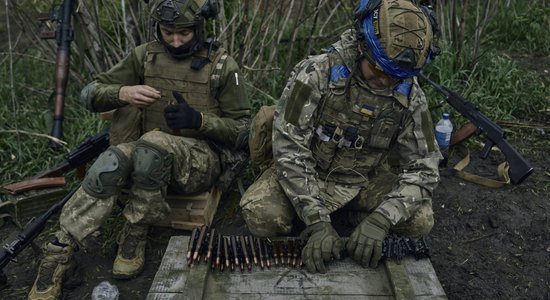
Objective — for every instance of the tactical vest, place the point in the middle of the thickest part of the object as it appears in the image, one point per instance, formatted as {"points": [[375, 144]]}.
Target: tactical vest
{"points": [[355, 128], [198, 87]]}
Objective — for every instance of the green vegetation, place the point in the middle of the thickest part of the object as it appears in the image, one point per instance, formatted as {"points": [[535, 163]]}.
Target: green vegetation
{"points": [[491, 77]]}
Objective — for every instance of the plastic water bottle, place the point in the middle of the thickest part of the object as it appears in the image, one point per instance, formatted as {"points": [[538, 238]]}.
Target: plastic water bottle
{"points": [[443, 130], [105, 291]]}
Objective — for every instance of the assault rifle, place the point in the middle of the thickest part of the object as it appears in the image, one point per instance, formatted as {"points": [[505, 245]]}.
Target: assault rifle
{"points": [[63, 35], [520, 169], [83, 153]]}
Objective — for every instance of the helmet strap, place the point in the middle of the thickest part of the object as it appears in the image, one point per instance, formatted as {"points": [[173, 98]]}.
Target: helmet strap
{"points": [[189, 48]]}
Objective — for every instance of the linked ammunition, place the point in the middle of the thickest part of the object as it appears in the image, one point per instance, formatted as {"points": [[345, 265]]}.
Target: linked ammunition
{"points": [[240, 251]]}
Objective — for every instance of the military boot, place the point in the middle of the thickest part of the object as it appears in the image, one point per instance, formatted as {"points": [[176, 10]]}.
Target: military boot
{"points": [[55, 267], [130, 257]]}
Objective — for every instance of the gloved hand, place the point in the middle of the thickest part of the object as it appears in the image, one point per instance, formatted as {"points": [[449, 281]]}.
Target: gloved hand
{"points": [[181, 115], [365, 243], [323, 242]]}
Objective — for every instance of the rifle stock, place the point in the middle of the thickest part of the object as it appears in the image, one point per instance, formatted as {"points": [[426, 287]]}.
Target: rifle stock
{"points": [[520, 168]]}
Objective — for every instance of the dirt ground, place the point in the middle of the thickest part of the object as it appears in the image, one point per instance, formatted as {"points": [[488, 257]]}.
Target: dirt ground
{"points": [[486, 243]]}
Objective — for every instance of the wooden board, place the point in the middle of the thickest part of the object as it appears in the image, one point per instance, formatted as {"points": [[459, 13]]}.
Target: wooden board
{"points": [[345, 280]]}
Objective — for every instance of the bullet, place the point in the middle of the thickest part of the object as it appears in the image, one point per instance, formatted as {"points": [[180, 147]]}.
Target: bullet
{"points": [[250, 243], [210, 244], [260, 250], [191, 244]]}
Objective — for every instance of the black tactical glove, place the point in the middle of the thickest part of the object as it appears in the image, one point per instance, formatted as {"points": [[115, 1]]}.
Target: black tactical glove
{"points": [[181, 115], [365, 243], [323, 243]]}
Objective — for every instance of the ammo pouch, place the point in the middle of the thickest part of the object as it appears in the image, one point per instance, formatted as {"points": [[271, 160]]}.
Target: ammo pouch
{"points": [[384, 130]]}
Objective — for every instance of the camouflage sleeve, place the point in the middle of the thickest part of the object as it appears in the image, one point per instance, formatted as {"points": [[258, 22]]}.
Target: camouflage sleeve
{"points": [[292, 134], [102, 93], [419, 160], [234, 106]]}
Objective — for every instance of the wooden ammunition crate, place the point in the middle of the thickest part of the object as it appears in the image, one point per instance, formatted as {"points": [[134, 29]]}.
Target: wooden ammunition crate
{"points": [[24, 206], [345, 279], [190, 211]]}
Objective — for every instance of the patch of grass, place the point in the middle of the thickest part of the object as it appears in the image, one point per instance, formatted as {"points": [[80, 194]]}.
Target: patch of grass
{"points": [[500, 87], [521, 28], [31, 110]]}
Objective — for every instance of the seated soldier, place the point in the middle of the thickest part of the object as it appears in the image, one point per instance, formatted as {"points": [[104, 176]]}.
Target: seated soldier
{"points": [[339, 116], [180, 108]]}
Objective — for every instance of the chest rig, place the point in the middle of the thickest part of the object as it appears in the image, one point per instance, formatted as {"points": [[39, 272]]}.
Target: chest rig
{"points": [[196, 79], [355, 128]]}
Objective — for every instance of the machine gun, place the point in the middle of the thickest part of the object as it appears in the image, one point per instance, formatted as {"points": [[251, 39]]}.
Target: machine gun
{"points": [[520, 168], [64, 35]]}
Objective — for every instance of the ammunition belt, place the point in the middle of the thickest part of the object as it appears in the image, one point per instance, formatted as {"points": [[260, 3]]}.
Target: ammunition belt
{"points": [[243, 251]]}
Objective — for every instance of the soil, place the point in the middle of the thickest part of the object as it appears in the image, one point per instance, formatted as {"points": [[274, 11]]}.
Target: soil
{"points": [[486, 243]]}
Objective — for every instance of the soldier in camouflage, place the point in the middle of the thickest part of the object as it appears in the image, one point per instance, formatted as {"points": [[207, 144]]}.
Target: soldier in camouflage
{"points": [[340, 115], [180, 106]]}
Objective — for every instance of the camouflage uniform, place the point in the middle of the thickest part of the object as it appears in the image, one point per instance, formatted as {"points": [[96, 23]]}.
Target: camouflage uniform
{"points": [[331, 136], [194, 163]]}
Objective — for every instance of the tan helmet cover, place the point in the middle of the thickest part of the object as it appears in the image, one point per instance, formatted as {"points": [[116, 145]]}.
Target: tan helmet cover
{"points": [[401, 25]]}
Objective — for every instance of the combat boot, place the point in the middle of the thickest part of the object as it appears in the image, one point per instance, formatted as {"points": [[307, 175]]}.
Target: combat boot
{"points": [[55, 267], [130, 257]]}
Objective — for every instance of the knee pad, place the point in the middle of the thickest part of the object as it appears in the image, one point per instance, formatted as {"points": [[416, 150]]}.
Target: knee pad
{"points": [[152, 166], [109, 172]]}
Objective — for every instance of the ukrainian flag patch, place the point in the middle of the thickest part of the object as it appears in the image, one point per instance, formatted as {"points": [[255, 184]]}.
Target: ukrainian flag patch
{"points": [[367, 110]]}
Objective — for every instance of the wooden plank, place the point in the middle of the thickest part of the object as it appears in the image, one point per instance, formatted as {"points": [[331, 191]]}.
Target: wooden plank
{"points": [[172, 274], [399, 279], [291, 281], [344, 280], [424, 279]]}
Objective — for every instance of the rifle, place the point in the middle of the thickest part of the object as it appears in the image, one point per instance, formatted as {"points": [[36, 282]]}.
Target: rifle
{"points": [[64, 34], [83, 153], [520, 169], [30, 232]]}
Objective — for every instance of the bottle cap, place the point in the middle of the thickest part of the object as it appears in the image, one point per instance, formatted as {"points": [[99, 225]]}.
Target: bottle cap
{"points": [[446, 116]]}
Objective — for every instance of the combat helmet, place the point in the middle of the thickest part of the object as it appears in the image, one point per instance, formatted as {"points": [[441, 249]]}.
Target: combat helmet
{"points": [[183, 14], [395, 36]]}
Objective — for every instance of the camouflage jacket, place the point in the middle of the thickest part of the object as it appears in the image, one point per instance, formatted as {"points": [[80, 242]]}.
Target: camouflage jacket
{"points": [[315, 189], [102, 94]]}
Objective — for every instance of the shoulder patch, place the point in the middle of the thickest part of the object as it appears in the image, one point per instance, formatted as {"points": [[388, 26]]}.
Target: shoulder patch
{"points": [[404, 88], [339, 71], [296, 102]]}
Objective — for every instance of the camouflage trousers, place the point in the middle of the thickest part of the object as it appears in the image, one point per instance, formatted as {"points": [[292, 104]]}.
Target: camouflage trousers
{"points": [[195, 168], [268, 212]]}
